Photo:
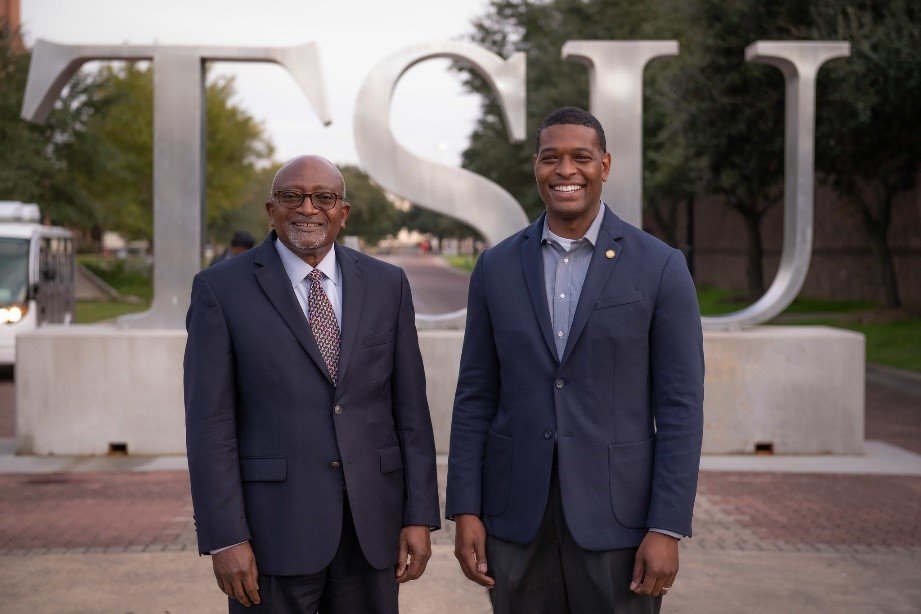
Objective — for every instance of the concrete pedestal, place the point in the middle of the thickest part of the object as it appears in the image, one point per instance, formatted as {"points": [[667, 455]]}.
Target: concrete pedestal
{"points": [[790, 389], [798, 389], [80, 389]]}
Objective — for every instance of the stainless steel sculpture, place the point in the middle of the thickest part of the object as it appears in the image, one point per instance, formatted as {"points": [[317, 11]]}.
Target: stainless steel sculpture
{"points": [[178, 173], [799, 61], [615, 82], [455, 192]]}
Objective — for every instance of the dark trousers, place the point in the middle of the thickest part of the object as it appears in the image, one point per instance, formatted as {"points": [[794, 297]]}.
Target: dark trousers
{"points": [[554, 575], [347, 586]]}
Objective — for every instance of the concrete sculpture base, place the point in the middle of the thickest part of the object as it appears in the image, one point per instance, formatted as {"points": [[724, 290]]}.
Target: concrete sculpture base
{"points": [[95, 389]]}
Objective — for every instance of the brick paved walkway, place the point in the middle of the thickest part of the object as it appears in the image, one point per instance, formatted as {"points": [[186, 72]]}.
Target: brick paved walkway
{"points": [[807, 512], [118, 512], [151, 511], [95, 512]]}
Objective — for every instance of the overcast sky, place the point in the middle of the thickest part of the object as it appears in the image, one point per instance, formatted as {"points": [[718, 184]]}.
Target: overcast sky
{"points": [[430, 115]]}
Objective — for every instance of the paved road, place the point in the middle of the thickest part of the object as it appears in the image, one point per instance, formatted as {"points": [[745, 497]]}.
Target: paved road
{"points": [[437, 287]]}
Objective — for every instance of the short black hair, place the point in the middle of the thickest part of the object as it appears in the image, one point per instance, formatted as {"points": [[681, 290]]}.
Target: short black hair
{"points": [[241, 238], [573, 116]]}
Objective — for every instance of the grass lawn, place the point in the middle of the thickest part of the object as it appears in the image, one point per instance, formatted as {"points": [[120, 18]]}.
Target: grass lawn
{"points": [[717, 301], [88, 312], [130, 276], [895, 344], [464, 263]]}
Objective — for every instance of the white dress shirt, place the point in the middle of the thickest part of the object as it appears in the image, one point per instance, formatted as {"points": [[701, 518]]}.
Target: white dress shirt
{"points": [[298, 270]]}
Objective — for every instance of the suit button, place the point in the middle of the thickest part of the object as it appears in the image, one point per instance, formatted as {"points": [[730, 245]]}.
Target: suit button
{"points": [[338, 409], [335, 464], [560, 383], [548, 434]]}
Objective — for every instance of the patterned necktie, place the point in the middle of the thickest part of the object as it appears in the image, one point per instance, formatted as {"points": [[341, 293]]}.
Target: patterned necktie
{"points": [[323, 322]]}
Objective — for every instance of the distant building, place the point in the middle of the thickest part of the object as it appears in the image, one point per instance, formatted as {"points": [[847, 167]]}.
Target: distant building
{"points": [[9, 15]]}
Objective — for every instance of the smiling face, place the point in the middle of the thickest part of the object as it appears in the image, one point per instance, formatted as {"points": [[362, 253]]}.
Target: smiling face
{"points": [[307, 230], [570, 168]]}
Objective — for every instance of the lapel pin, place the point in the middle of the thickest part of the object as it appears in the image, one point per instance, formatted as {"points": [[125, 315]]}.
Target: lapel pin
{"points": [[610, 254]]}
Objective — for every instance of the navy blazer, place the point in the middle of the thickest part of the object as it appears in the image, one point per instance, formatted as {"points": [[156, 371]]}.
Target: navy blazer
{"points": [[264, 422], [624, 406]]}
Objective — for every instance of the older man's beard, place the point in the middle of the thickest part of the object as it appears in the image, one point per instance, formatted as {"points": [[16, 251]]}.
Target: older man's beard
{"points": [[304, 239]]}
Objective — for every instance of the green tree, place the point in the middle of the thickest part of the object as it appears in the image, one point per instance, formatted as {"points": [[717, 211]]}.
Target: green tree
{"points": [[372, 216], [249, 211], [713, 123], [39, 163], [867, 143], [539, 30], [732, 111], [123, 193], [22, 157]]}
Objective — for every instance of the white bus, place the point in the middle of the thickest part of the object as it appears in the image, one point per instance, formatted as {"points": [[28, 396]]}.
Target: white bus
{"points": [[36, 274]]}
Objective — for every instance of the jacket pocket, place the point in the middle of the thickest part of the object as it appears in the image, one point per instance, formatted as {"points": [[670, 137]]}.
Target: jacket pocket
{"points": [[617, 300], [630, 467], [263, 469], [391, 459], [497, 473], [379, 338]]}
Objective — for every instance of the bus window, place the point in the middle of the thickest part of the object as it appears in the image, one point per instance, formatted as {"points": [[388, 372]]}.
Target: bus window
{"points": [[14, 270]]}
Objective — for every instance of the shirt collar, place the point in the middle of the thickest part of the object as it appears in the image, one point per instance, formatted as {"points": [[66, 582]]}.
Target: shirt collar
{"points": [[591, 235], [297, 269]]}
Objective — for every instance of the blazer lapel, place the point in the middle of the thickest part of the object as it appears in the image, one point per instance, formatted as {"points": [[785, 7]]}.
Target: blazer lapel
{"points": [[270, 273], [532, 262], [599, 270], [353, 289]]}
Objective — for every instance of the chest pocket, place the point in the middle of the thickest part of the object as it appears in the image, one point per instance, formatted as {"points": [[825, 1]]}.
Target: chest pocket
{"points": [[380, 351], [379, 338], [619, 299]]}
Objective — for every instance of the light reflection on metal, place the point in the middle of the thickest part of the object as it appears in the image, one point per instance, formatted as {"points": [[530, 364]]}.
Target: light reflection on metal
{"points": [[454, 192], [615, 78], [799, 61], [179, 125]]}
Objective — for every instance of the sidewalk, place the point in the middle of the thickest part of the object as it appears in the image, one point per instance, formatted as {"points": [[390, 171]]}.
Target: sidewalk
{"points": [[111, 535]]}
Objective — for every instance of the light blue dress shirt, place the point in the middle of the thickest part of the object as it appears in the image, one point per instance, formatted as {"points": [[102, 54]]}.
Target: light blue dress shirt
{"points": [[565, 266]]}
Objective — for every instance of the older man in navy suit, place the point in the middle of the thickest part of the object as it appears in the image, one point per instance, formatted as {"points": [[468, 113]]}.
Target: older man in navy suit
{"points": [[310, 446], [577, 426]]}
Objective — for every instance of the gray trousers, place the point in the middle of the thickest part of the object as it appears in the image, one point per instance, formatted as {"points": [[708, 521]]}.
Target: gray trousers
{"points": [[554, 575]]}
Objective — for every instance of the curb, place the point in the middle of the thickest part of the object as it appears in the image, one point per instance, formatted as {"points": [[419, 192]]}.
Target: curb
{"points": [[900, 379]]}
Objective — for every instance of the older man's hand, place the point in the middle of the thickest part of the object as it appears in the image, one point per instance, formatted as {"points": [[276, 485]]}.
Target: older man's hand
{"points": [[415, 552], [236, 573]]}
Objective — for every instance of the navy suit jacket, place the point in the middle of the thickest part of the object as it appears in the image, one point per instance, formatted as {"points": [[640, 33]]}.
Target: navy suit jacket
{"points": [[624, 407], [264, 422]]}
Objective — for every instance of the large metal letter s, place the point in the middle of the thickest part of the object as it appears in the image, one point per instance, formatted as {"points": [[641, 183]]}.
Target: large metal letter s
{"points": [[178, 161], [799, 61], [455, 192]]}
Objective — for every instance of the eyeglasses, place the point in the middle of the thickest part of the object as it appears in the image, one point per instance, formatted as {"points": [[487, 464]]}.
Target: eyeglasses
{"points": [[292, 199]]}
